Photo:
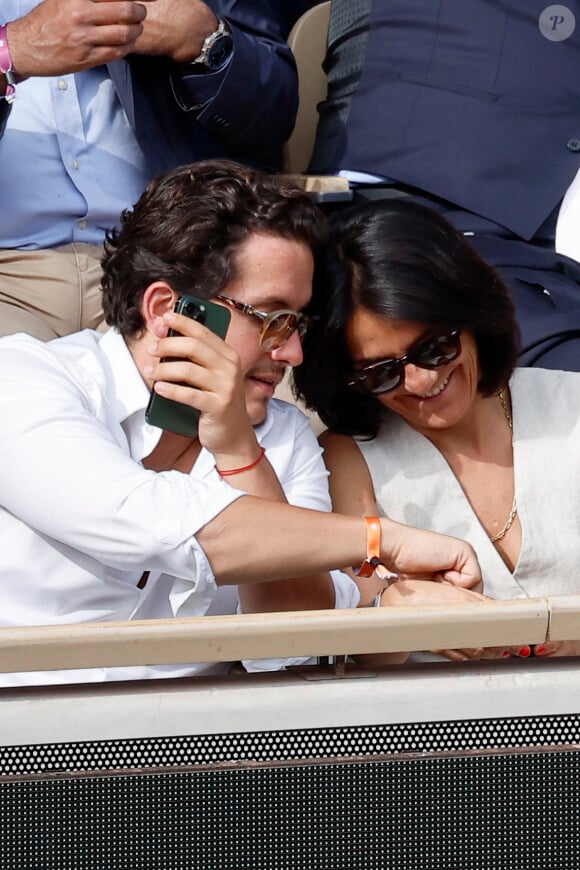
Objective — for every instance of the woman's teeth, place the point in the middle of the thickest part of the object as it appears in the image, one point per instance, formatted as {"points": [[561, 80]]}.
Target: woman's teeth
{"points": [[436, 391]]}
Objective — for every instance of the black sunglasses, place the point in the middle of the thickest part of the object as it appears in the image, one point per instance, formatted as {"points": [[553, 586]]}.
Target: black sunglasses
{"points": [[388, 374]]}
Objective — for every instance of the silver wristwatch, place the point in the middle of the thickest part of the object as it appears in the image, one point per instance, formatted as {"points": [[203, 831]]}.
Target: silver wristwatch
{"points": [[216, 50]]}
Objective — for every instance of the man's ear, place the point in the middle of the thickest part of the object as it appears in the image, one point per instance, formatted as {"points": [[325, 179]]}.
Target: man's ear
{"points": [[158, 298]]}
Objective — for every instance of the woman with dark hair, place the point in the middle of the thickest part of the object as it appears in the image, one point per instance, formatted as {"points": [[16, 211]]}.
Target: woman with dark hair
{"points": [[411, 365]]}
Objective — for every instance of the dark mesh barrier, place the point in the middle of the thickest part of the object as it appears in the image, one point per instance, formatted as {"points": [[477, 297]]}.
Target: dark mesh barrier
{"points": [[466, 795]]}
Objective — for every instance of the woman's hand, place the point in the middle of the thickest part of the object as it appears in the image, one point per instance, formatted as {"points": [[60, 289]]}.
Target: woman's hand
{"points": [[553, 648], [548, 649], [413, 593]]}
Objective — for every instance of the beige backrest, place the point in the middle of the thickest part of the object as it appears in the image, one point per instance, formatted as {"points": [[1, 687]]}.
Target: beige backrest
{"points": [[307, 40]]}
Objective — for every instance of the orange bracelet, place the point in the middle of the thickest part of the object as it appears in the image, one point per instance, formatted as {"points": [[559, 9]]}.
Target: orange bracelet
{"points": [[373, 562], [253, 464]]}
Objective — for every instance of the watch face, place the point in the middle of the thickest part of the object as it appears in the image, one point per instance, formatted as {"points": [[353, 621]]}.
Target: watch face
{"points": [[219, 52]]}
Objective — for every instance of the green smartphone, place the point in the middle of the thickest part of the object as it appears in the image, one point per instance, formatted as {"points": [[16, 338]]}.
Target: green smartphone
{"points": [[167, 413]]}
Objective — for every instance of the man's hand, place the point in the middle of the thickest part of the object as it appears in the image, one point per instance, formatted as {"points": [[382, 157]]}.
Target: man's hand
{"points": [[66, 36], [176, 29], [204, 372], [427, 555]]}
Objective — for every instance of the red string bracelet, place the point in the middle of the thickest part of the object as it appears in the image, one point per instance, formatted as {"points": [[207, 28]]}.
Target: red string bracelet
{"points": [[253, 464]]}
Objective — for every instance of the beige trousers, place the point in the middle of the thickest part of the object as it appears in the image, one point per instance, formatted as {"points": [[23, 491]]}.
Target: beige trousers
{"points": [[51, 292]]}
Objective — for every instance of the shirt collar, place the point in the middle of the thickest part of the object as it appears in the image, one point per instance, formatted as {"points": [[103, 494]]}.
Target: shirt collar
{"points": [[129, 393]]}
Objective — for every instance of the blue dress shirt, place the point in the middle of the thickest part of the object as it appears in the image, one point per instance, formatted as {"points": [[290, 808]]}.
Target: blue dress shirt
{"points": [[78, 149]]}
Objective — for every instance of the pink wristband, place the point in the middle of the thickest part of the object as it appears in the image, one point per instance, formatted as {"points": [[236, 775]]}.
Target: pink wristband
{"points": [[6, 65]]}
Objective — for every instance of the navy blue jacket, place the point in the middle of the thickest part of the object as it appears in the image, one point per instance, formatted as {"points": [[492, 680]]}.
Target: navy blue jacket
{"points": [[473, 101]]}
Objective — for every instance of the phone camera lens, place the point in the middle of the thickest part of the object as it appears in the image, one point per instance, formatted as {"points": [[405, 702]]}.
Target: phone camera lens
{"points": [[196, 312]]}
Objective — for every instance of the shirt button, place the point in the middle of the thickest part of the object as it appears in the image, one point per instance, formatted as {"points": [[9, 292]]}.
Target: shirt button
{"points": [[75, 164], [573, 144], [62, 85], [82, 225]]}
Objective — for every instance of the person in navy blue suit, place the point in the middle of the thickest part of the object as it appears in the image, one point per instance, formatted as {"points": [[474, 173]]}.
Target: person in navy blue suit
{"points": [[474, 109], [99, 96]]}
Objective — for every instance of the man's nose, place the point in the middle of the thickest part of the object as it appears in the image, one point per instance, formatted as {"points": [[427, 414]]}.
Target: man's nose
{"points": [[290, 353]]}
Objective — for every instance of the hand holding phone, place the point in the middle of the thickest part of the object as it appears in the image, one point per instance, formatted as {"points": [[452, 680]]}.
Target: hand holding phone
{"points": [[167, 413]]}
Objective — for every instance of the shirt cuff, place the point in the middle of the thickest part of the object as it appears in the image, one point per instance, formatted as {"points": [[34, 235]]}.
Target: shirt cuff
{"points": [[346, 591], [347, 596], [190, 598]]}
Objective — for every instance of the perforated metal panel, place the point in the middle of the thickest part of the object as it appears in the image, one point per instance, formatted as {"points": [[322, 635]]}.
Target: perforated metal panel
{"points": [[307, 744], [465, 795]]}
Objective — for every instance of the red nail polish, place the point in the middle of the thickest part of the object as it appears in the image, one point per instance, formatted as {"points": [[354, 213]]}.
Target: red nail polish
{"points": [[524, 652], [506, 654], [540, 650]]}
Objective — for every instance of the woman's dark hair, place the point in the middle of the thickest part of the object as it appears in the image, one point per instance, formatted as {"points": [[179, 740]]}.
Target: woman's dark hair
{"points": [[401, 260], [186, 228]]}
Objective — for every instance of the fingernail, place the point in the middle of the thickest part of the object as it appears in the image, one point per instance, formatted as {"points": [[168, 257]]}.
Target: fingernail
{"points": [[540, 650], [506, 654], [524, 652]]}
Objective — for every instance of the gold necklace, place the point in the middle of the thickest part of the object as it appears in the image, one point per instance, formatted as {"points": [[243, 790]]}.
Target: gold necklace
{"points": [[513, 512]]}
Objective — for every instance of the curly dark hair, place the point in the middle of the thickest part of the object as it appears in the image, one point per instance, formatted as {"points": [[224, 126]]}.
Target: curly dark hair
{"points": [[400, 260], [186, 227]]}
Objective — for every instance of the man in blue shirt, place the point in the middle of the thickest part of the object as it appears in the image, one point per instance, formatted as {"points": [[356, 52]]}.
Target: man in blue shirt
{"points": [[98, 98]]}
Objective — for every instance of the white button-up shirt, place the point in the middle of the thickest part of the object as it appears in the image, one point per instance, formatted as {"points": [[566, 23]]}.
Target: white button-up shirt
{"points": [[81, 518]]}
